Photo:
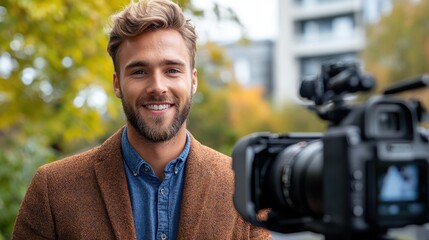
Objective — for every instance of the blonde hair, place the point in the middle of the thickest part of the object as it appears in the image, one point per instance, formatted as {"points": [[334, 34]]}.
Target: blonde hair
{"points": [[149, 15]]}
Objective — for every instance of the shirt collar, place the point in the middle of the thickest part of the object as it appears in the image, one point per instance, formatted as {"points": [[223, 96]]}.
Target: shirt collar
{"points": [[139, 166]]}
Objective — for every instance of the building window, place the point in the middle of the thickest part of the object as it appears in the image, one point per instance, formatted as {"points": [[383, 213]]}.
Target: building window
{"points": [[309, 3], [242, 71], [327, 28]]}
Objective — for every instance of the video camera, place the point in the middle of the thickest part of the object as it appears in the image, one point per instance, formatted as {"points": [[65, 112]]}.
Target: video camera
{"points": [[367, 173]]}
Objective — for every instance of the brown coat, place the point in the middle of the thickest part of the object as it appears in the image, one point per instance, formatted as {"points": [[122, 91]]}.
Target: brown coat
{"points": [[86, 197]]}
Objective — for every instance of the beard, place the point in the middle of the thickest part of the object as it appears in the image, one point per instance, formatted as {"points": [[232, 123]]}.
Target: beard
{"points": [[155, 133]]}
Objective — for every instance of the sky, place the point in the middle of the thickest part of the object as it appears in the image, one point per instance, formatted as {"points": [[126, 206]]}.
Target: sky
{"points": [[258, 16]]}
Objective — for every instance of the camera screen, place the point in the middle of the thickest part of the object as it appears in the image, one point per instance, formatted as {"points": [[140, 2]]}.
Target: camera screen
{"points": [[399, 183], [399, 190]]}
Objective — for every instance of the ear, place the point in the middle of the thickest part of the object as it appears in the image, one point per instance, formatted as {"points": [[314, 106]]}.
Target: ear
{"points": [[194, 81], [116, 85]]}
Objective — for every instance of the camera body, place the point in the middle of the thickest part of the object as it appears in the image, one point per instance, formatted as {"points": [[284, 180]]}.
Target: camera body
{"points": [[366, 174]]}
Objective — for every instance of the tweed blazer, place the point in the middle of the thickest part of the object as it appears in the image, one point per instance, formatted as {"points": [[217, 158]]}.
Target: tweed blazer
{"points": [[86, 197]]}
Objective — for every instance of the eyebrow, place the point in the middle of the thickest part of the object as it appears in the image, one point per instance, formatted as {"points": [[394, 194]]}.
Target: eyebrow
{"points": [[165, 62], [136, 64]]}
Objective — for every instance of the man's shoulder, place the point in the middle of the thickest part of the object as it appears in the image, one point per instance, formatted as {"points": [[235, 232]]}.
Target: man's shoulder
{"points": [[80, 161], [75, 161]]}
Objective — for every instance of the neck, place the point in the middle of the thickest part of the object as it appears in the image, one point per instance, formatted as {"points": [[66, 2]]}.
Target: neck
{"points": [[159, 154]]}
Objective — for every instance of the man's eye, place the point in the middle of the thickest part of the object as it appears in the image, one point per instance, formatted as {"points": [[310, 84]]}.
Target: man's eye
{"points": [[139, 72], [173, 71]]}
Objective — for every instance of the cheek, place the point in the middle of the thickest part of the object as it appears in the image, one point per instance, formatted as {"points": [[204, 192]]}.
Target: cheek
{"points": [[131, 92], [186, 92], [186, 87]]}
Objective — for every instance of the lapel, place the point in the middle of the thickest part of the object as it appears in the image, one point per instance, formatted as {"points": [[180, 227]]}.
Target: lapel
{"points": [[110, 175], [195, 192]]}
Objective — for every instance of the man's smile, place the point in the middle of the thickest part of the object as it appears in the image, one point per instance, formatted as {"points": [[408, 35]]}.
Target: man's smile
{"points": [[158, 107]]}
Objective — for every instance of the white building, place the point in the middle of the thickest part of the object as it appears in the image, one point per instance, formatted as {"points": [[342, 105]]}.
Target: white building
{"points": [[314, 31], [253, 63]]}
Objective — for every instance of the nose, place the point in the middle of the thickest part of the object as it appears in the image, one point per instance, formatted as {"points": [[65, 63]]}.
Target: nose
{"points": [[157, 84]]}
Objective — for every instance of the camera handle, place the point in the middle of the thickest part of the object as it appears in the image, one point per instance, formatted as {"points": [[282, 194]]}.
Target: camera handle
{"points": [[411, 84]]}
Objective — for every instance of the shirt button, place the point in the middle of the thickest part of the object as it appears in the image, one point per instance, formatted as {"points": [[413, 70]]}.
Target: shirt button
{"points": [[163, 236], [176, 170], [135, 173], [146, 169], [162, 191]]}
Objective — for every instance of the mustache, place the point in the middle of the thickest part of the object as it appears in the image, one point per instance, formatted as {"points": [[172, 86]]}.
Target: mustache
{"points": [[152, 98]]}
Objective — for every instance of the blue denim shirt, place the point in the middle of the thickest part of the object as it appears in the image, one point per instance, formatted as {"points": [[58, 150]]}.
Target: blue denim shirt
{"points": [[155, 203]]}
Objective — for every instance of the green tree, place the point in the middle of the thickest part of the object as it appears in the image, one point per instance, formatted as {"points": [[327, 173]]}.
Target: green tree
{"points": [[296, 118], [208, 118], [54, 71], [398, 45], [53, 61], [17, 168]]}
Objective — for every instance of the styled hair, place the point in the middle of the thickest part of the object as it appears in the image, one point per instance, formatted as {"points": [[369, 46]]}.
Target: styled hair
{"points": [[150, 15]]}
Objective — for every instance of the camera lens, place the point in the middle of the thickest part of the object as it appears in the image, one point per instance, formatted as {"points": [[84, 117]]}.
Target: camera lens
{"points": [[389, 122], [297, 178]]}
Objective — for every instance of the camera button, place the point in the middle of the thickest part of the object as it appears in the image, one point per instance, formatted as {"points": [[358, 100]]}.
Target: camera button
{"points": [[358, 210], [357, 186], [357, 174]]}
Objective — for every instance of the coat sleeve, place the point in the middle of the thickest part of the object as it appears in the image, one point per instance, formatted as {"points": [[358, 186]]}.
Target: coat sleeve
{"points": [[258, 233], [35, 218]]}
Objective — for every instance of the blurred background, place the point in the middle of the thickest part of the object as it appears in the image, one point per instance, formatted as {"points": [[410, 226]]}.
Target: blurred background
{"points": [[56, 95]]}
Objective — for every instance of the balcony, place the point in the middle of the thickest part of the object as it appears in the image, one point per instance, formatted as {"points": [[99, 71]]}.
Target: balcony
{"points": [[329, 44], [314, 9]]}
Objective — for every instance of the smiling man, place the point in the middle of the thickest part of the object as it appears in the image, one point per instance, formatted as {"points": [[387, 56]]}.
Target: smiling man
{"points": [[151, 179], [155, 80]]}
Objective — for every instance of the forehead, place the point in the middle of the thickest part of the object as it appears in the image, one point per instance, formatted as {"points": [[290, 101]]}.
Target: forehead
{"points": [[153, 47]]}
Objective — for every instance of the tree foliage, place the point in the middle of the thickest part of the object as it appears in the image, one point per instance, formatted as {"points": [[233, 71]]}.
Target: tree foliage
{"points": [[19, 158], [398, 45], [54, 70], [54, 74]]}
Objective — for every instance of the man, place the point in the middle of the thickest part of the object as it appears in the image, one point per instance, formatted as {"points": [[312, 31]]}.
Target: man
{"points": [[151, 179]]}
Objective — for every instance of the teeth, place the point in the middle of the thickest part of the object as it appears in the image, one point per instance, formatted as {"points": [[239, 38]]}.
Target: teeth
{"points": [[158, 107]]}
